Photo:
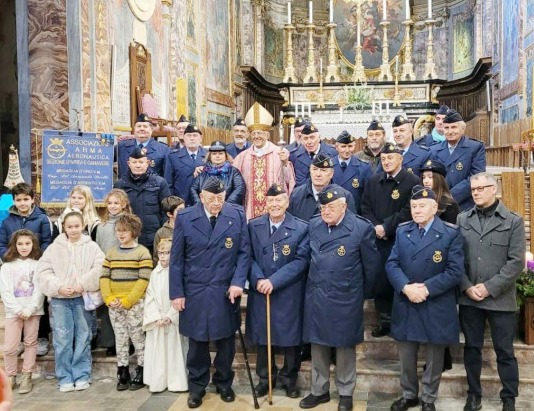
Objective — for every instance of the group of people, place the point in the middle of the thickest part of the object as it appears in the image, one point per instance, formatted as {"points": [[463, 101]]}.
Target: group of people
{"points": [[313, 229]]}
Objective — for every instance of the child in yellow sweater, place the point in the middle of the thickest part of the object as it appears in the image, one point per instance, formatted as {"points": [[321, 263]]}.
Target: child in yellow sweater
{"points": [[125, 275]]}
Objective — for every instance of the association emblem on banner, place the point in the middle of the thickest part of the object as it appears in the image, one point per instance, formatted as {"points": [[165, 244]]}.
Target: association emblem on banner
{"points": [[56, 149]]}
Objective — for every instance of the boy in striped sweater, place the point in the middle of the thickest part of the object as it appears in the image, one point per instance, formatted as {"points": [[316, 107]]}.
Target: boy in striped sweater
{"points": [[125, 275]]}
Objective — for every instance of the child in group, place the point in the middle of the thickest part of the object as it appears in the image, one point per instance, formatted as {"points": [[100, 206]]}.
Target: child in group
{"points": [[23, 304], [117, 204], [171, 206], [125, 275], [165, 348], [25, 214], [71, 265], [81, 198]]}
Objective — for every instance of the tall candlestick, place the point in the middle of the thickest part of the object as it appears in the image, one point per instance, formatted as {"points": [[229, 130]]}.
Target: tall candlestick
{"points": [[331, 11], [289, 12], [384, 10], [408, 14], [310, 11], [429, 9]]}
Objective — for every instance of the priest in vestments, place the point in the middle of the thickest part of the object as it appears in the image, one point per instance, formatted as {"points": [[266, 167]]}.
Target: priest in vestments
{"points": [[263, 164]]}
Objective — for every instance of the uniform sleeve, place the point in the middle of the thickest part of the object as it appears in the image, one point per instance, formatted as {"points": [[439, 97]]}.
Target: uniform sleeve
{"points": [[256, 273], [369, 256], [351, 205], [396, 276], [462, 191], [195, 190], [454, 269], [514, 263], [243, 255], [177, 263], [367, 207], [169, 175], [392, 222]]}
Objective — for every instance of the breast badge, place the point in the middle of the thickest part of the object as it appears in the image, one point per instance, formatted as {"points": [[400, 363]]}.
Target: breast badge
{"points": [[152, 163], [229, 243], [355, 183], [437, 258], [341, 250], [286, 250], [395, 195], [409, 170], [459, 166]]}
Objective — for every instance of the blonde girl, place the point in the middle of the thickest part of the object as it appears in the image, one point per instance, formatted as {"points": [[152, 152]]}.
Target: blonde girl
{"points": [[81, 198]]}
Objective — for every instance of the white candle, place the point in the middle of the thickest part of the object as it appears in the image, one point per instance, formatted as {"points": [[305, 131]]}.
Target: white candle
{"points": [[384, 10], [310, 11], [408, 14], [358, 34], [331, 11], [289, 12], [341, 114], [396, 64], [309, 110], [321, 66], [373, 107], [429, 9]]}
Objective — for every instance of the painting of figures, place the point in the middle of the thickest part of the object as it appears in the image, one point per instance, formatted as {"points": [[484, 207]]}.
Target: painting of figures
{"points": [[371, 32], [463, 42], [510, 30], [218, 47]]}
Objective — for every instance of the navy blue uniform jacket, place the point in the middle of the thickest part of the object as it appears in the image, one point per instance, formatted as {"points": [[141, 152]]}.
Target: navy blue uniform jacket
{"points": [[343, 268], [204, 264], [437, 260], [301, 161], [157, 152], [353, 178], [291, 243], [467, 159]]}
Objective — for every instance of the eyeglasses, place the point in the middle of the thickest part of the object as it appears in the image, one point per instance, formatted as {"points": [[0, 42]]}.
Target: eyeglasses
{"points": [[481, 188], [329, 207], [164, 252]]}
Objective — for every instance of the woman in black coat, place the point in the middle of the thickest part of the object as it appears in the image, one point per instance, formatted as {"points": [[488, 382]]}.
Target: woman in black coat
{"points": [[433, 174], [218, 165]]}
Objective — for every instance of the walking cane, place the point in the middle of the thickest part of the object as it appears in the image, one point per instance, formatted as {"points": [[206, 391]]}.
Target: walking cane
{"points": [[269, 348], [242, 340]]}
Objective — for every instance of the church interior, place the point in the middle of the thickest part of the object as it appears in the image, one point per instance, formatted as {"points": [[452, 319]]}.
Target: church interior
{"points": [[94, 65]]}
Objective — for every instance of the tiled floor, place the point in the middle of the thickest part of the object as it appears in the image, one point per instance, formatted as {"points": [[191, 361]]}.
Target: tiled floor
{"points": [[102, 396]]}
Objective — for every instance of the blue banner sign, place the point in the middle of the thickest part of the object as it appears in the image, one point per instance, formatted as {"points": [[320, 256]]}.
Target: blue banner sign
{"points": [[71, 158]]}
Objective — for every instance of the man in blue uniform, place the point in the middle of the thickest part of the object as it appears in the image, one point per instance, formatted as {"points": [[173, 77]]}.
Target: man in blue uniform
{"points": [[376, 138], [240, 134], [280, 258], [349, 172], [300, 122], [413, 155], [156, 152], [182, 124], [303, 202], [185, 164], [386, 203], [210, 259], [438, 133], [463, 157], [425, 267], [311, 145], [146, 190], [342, 270]]}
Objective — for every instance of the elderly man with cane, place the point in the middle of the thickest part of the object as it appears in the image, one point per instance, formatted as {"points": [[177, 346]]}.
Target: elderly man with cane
{"points": [[280, 259]]}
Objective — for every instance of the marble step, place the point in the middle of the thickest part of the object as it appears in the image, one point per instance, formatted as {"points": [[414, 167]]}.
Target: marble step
{"points": [[376, 375]]}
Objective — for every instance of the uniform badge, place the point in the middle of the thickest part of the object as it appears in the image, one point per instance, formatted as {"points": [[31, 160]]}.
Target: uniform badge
{"points": [[152, 163], [395, 195], [286, 250], [329, 195], [410, 170], [355, 183], [229, 243], [143, 151], [425, 193], [459, 166], [437, 258], [429, 163], [341, 250]]}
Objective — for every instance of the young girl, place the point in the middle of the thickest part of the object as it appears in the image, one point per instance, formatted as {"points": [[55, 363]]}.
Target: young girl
{"points": [[117, 204], [165, 348], [433, 175], [71, 265], [23, 304], [81, 198]]}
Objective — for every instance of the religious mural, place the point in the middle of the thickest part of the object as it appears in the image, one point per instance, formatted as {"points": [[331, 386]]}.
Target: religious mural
{"points": [[497, 33], [192, 93], [530, 73], [274, 51], [237, 41], [463, 41], [371, 33], [219, 121], [510, 43], [218, 46], [191, 24]]}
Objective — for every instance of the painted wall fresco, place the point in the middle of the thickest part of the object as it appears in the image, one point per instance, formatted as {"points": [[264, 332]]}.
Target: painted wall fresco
{"points": [[219, 121], [371, 33], [463, 42], [274, 51], [217, 19], [510, 46]]}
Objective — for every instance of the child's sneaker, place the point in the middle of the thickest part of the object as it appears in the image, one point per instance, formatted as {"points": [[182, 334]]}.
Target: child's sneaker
{"points": [[66, 388], [13, 381], [25, 383], [81, 385]]}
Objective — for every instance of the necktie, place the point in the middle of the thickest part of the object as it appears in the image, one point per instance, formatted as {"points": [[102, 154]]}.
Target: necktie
{"points": [[213, 221], [403, 152], [343, 165], [312, 155], [193, 156], [422, 232], [140, 146], [273, 229], [451, 149]]}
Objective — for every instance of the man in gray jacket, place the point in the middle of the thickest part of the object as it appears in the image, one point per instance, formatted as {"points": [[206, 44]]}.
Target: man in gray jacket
{"points": [[494, 244]]}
